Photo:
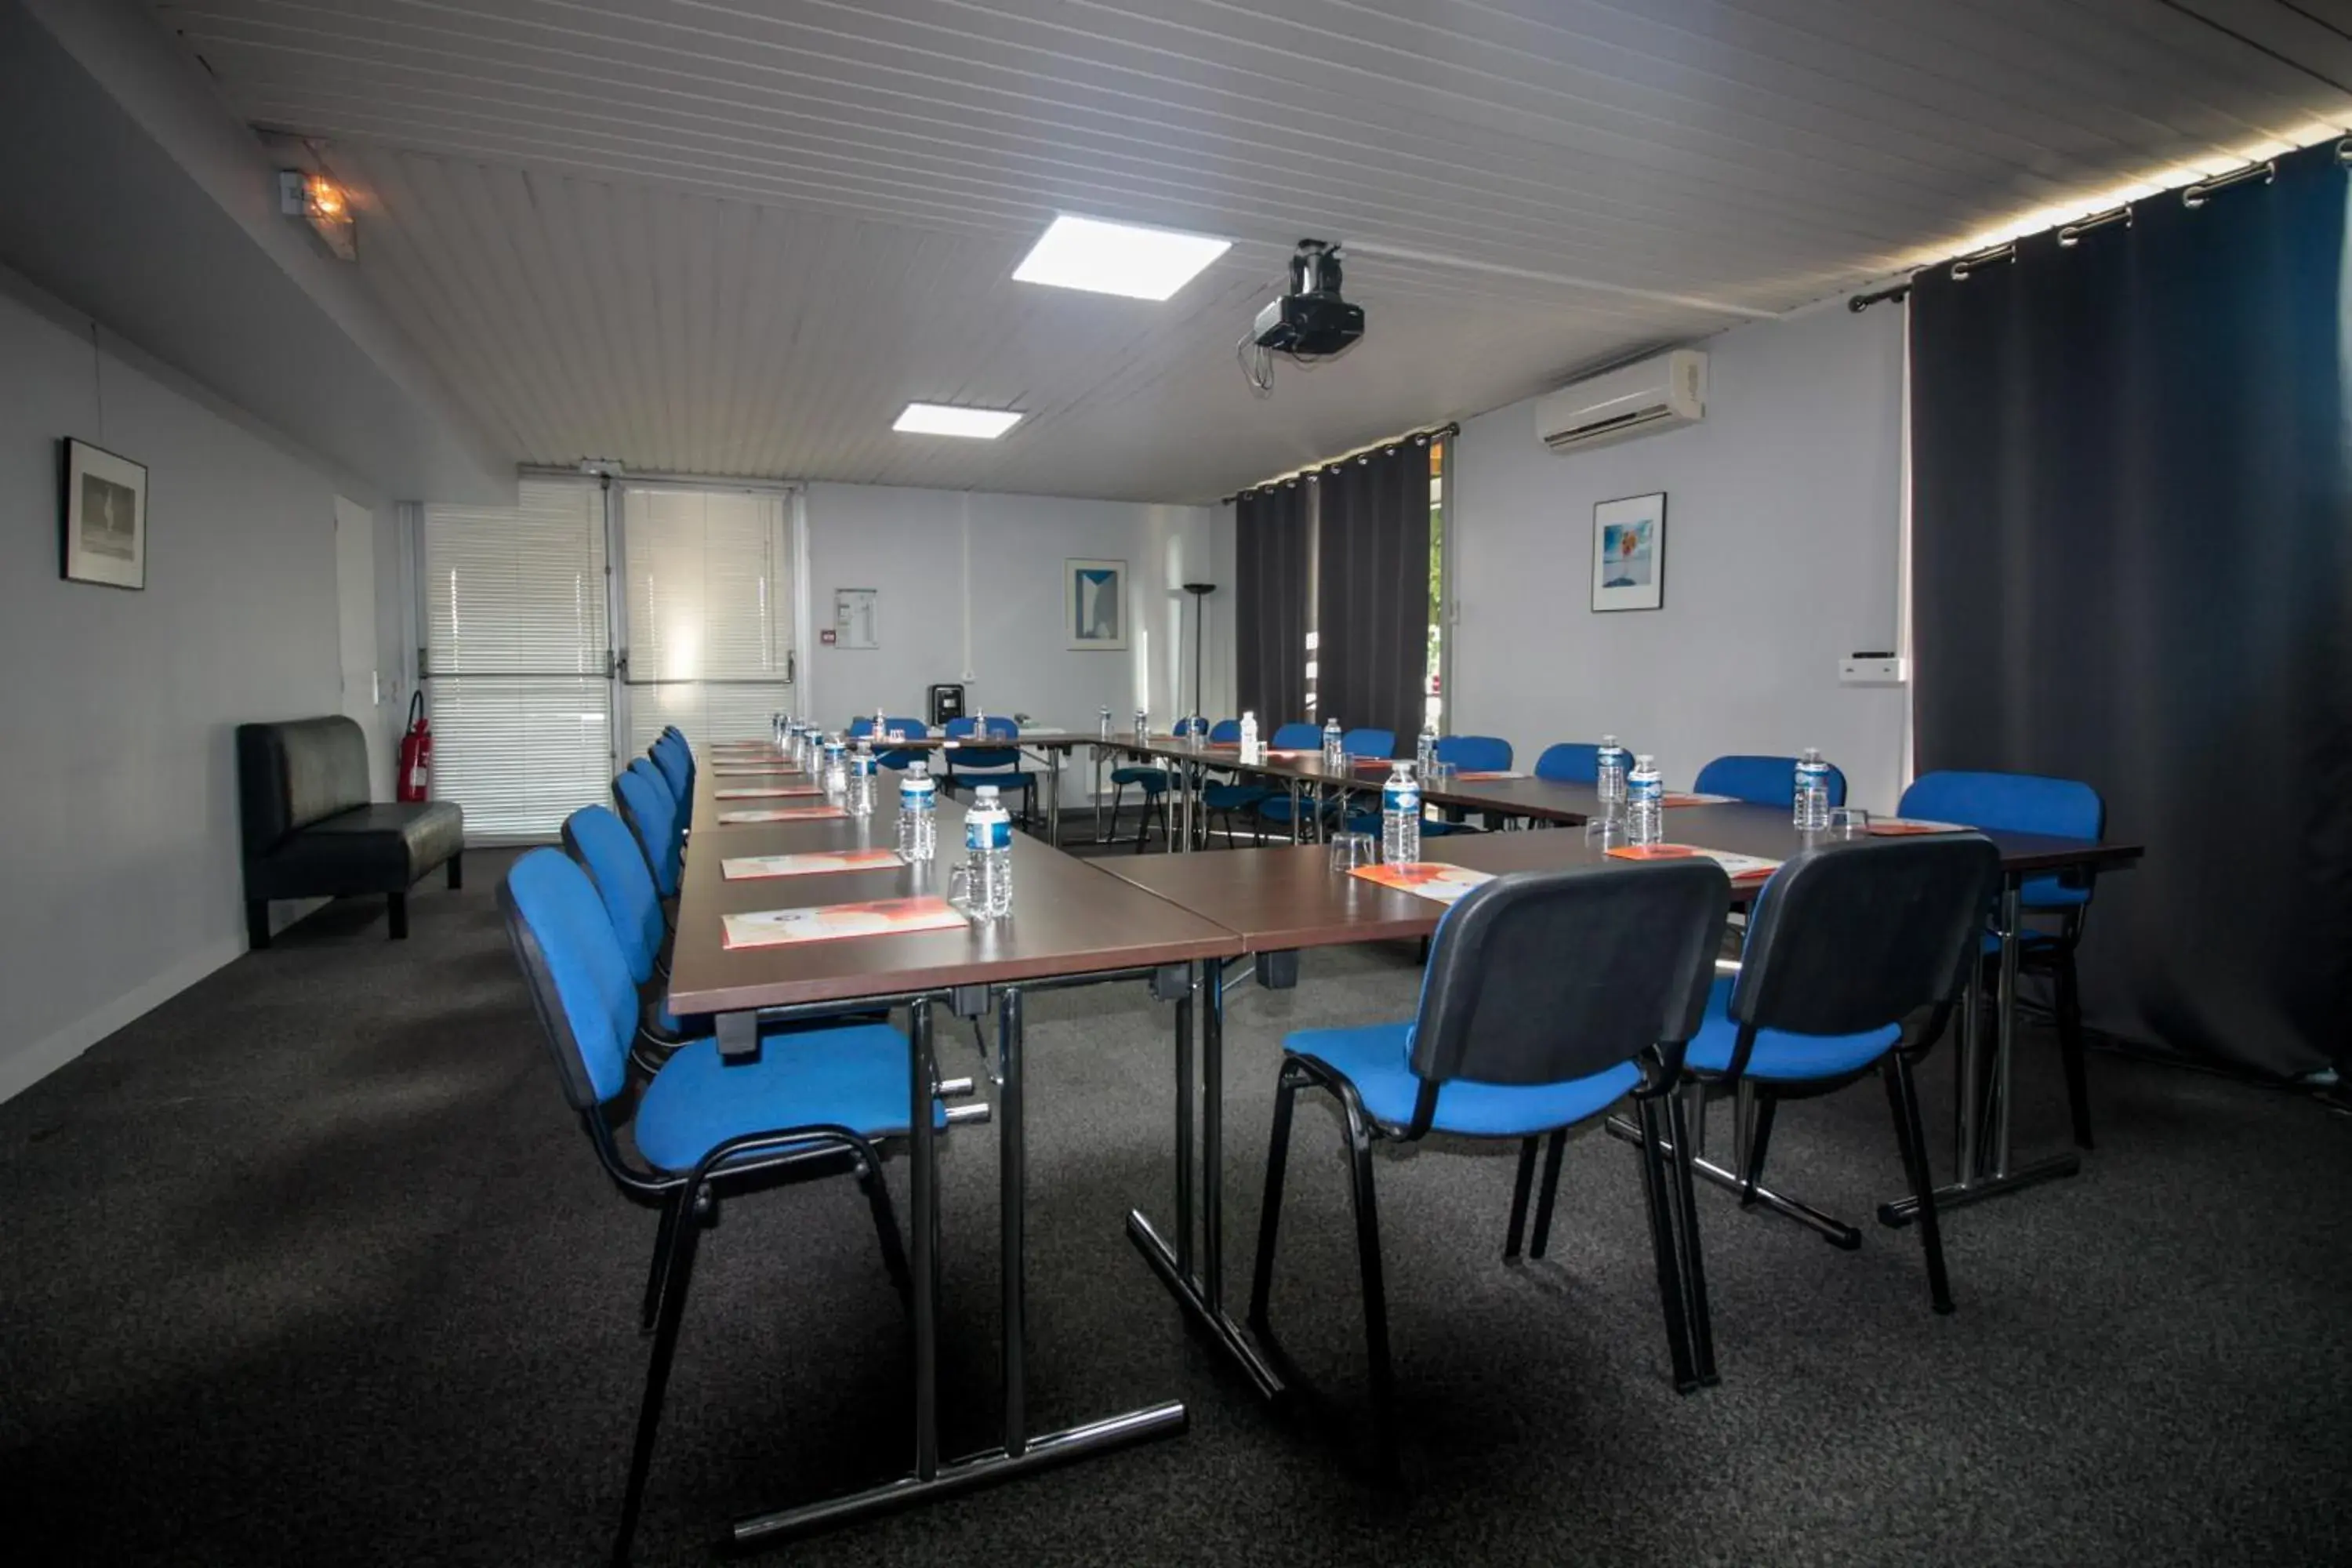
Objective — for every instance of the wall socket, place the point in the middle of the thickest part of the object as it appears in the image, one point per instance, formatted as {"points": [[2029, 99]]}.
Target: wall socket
{"points": [[1872, 669]]}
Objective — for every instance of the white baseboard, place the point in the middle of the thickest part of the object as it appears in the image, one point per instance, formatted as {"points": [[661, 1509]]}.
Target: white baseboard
{"points": [[20, 1069]]}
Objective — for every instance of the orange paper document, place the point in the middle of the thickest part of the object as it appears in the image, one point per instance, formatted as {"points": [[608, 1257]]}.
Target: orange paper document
{"points": [[1684, 797], [744, 868], [883, 917], [1905, 827], [1484, 774], [753, 770], [767, 791], [1740, 868], [781, 813], [1427, 878]]}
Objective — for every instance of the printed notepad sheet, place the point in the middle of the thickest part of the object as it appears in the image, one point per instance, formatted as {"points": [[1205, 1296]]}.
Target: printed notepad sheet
{"points": [[1739, 868], [1685, 797], [1426, 878], [752, 867], [1907, 826], [881, 917], [781, 813], [766, 792]]}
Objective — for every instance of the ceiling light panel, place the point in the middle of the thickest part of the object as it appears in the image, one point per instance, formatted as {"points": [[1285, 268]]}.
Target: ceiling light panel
{"points": [[1117, 258], [941, 419]]}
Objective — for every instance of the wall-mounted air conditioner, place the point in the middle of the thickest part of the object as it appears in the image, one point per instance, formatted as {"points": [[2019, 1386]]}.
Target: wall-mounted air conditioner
{"points": [[1665, 393]]}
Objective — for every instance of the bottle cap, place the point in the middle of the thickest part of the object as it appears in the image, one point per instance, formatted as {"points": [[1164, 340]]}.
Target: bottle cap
{"points": [[986, 794]]}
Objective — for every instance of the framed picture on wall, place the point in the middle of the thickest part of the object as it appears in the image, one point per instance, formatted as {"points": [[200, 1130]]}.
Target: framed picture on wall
{"points": [[1629, 553], [1093, 595], [104, 518]]}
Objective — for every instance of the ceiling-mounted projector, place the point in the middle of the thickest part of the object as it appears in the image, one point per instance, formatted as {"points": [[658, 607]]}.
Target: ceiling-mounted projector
{"points": [[1310, 320]]}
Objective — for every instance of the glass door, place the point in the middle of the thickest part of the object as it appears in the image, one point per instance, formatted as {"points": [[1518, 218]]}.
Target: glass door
{"points": [[708, 595]]}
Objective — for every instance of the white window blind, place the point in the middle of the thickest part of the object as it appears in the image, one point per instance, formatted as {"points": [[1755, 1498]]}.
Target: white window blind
{"points": [[708, 582], [517, 650]]}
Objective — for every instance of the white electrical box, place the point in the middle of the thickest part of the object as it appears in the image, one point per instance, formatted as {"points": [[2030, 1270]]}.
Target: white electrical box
{"points": [[1872, 669]]}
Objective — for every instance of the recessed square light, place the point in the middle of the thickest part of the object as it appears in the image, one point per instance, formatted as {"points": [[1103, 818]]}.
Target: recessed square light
{"points": [[939, 419], [1117, 258]]}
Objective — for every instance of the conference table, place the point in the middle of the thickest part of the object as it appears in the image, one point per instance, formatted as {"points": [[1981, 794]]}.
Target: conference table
{"points": [[1052, 745], [1071, 924], [1279, 899]]}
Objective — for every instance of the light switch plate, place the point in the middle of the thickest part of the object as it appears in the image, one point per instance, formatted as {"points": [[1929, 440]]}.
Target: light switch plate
{"points": [[1872, 669]]}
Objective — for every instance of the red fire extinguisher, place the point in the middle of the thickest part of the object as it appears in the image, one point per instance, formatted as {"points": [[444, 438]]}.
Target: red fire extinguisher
{"points": [[416, 752]]}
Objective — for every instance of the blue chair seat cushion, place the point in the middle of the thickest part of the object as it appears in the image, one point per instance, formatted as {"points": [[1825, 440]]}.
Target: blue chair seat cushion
{"points": [[853, 1078], [1777, 1056], [1276, 807], [1004, 782], [1375, 1057], [1153, 780], [1233, 797], [2050, 893]]}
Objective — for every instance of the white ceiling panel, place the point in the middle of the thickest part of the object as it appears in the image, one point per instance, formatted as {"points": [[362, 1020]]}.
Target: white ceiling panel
{"points": [[736, 236]]}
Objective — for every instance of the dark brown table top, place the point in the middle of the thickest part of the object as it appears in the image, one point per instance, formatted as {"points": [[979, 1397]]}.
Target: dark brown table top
{"points": [[1068, 917], [1283, 896], [1539, 798]]}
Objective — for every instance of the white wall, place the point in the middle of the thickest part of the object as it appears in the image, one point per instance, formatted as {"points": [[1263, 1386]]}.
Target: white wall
{"points": [[1783, 536], [120, 857], [913, 546]]}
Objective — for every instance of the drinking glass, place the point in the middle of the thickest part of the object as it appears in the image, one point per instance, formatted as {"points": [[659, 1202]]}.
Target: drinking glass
{"points": [[1351, 850], [1849, 822], [1607, 831]]}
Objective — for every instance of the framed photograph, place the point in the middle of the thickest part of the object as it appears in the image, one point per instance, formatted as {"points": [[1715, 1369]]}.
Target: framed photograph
{"points": [[1629, 553], [1093, 611], [105, 518]]}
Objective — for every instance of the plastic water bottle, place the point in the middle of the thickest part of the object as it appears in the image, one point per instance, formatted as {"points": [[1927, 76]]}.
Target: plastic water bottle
{"points": [[1335, 755], [1249, 739], [1609, 774], [859, 784], [836, 776], [1106, 725], [988, 850], [1400, 817], [1812, 793], [1424, 750], [1645, 800], [919, 814], [1143, 724]]}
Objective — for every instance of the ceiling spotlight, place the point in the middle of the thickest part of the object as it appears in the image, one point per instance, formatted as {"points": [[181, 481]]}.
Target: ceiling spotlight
{"points": [[942, 419], [324, 205], [1120, 259]]}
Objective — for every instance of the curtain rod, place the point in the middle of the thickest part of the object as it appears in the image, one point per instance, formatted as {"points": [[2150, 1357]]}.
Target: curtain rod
{"points": [[1361, 454], [2193, 196]]}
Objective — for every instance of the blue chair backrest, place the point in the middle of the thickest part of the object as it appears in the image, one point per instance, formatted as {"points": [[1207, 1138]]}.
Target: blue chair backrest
{"points": [[1300, 737], [1196, 724], [651, 813], [603, 843], [1571, 761], [1761, 781], [677, 765], [2017, 803], [1226, 731], [981, 758], [1366, 743], [579, 978], [1475, 753], [1544, 976]]}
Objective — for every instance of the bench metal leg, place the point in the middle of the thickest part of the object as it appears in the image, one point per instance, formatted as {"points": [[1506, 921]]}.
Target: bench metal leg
{"points": [[397, 904], [257, 923]]}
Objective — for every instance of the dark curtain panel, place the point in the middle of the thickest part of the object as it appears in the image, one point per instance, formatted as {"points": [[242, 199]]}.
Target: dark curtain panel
{"points": [[1371, 577], [2133, 566], [1273, 530]]}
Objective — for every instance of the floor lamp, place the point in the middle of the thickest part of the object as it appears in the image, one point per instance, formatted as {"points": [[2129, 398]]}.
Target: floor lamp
{"points": [[1200, 592]]}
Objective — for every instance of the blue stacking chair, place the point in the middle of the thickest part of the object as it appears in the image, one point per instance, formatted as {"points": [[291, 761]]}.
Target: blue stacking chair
{"points": [[860, 729], [671, 754], [1356, 745], [1550, 996], [651, 811], [1571, 761], [1467, 753], [970, 766], [602, 843], [1762, 781], [1231, 796], [810, 1104], [2062, 808], [1153, 781]]}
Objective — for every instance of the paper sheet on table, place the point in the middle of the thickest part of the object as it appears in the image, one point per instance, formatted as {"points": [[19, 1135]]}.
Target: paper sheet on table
{"points": [[1481, 775], [767, 791], [881, 917], [1685, 797], [745, 867], [1739, 868], [1906, 826], [1426, 878], [781, 813]]}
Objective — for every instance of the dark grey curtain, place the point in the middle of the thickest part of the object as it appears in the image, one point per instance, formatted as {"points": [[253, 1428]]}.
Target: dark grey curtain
{"points": [[2133, 566], [1273, 538], [1371, 599]]}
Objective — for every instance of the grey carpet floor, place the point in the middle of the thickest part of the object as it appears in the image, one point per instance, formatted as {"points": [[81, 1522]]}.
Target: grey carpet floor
{"points": [[312, 1266]]}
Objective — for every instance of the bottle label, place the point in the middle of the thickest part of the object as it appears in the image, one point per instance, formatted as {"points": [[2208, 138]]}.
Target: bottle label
{"points": [[1647, 789], [916, 795], [1403, 797], [978, 833]]}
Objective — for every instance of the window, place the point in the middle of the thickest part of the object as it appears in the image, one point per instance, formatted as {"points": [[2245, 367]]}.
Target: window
{"points": [[707, 576], [518, 654]]}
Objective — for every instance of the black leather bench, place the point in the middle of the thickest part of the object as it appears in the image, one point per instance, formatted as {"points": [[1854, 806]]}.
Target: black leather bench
{"points": [[310, 830]]}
